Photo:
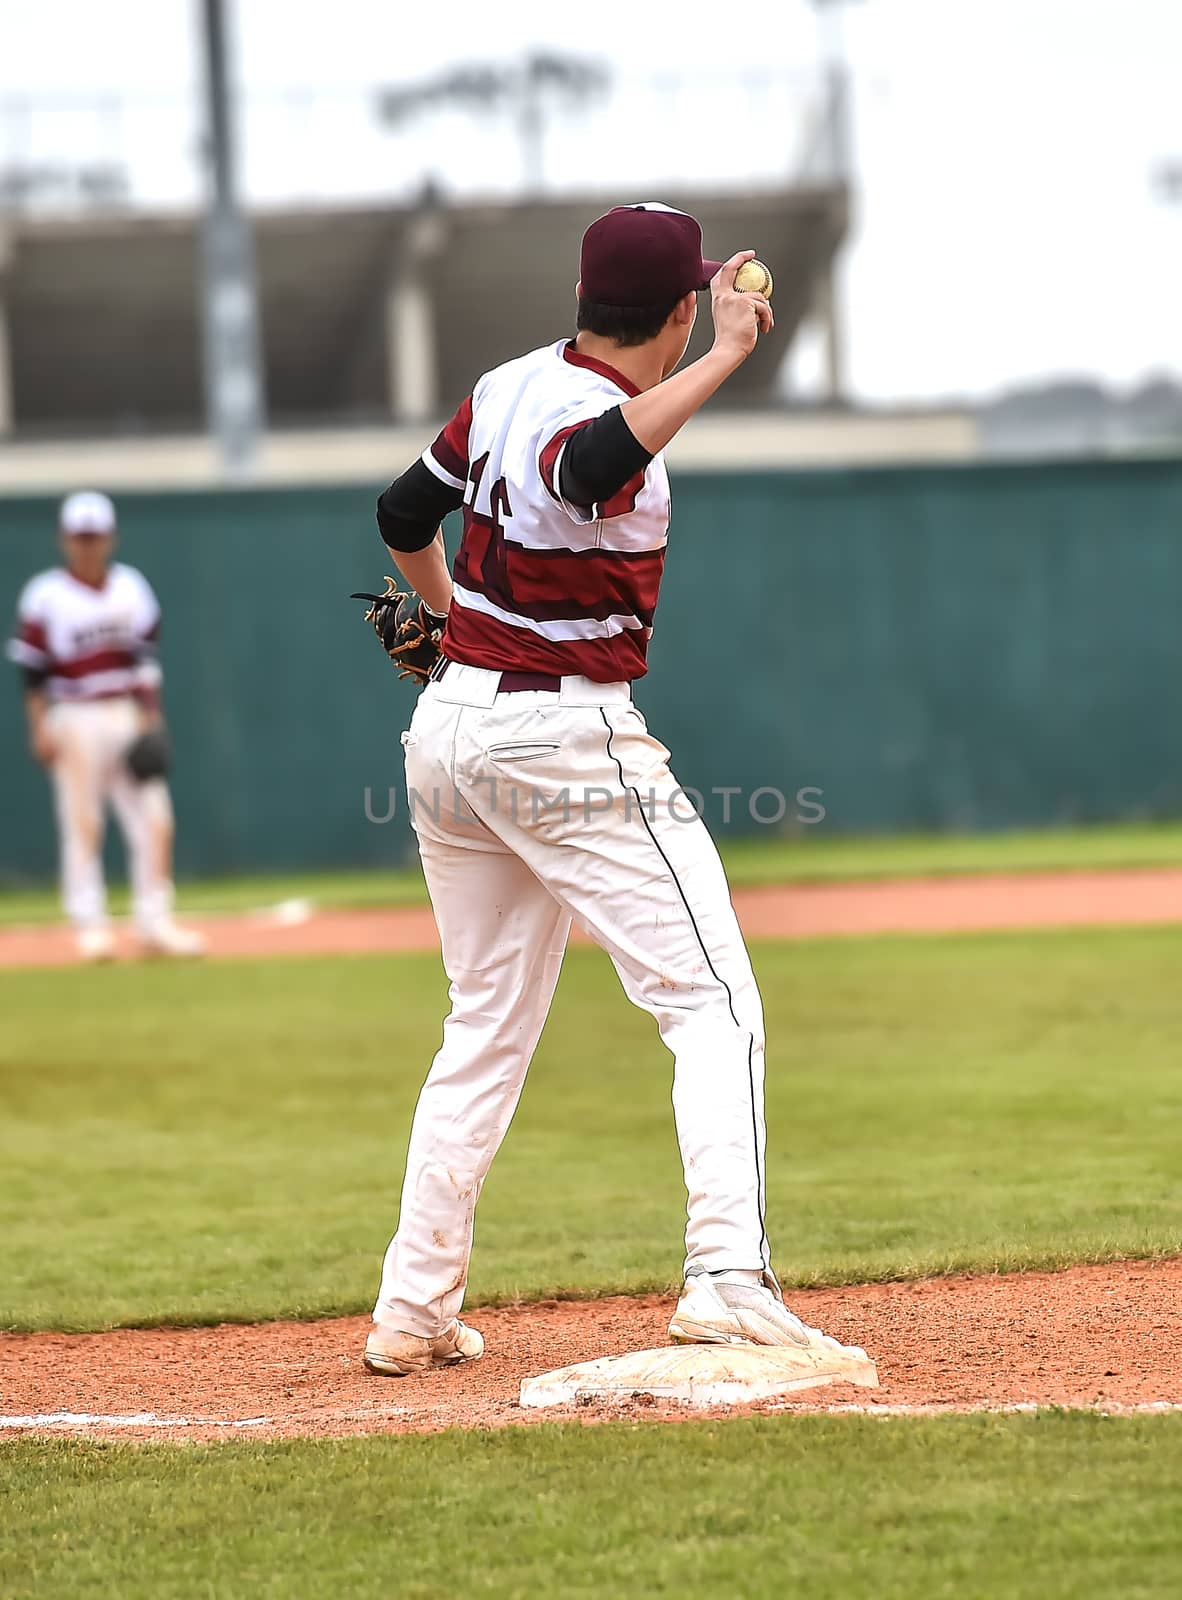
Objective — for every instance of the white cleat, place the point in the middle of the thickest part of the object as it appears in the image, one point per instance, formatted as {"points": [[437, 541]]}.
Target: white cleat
{"points": [[168, 939], [395, 1355], [746, 1308], [96, 944]]}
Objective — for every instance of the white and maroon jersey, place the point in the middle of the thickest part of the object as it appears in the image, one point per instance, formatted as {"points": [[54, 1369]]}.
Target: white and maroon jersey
{"points": [[542, 585], [91, 643]]}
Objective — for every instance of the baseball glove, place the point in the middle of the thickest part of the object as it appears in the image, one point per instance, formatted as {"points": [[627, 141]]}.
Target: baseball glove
{"points": [[149, 755], [408, 630]]}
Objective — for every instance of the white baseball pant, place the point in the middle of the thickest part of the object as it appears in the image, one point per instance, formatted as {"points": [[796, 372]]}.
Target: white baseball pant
{"points": [[533, 809], [92, 737]]}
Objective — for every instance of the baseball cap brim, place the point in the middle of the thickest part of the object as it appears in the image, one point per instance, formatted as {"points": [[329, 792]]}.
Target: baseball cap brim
{"points": [[710, 270]]}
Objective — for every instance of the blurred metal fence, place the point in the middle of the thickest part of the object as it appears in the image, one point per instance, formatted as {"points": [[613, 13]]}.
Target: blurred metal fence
{"points": [[967, 648]]}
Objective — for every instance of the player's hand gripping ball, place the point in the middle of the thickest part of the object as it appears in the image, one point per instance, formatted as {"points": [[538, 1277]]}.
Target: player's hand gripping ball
{"points": [[754, 278], [408, 630]]}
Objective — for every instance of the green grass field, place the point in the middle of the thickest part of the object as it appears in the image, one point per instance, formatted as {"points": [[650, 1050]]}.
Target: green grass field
{"points": [[813, 856], [198, 1143], [202, 1143], [1017, 1508]]}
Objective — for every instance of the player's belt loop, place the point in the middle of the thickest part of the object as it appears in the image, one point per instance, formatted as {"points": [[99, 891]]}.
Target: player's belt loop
{"points": [[438, 669]]}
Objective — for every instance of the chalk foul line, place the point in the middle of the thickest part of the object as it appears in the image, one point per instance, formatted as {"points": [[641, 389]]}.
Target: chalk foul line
{"points": [[1019, 1408], [148, 1419], [135, 1419]]}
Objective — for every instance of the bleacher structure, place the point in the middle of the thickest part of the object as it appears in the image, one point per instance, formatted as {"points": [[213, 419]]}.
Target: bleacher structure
{"points": [[367, 314]]}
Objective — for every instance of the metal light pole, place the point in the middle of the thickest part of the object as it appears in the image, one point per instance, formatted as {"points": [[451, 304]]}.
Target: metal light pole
{"points": [[1168, 183], [834, 67], [233, 366]]}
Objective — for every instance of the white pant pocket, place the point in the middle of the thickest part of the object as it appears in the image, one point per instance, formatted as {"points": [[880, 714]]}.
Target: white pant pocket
{"points": [[528, 750]]}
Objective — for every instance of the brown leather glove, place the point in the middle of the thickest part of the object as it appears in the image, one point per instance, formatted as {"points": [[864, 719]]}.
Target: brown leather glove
{"points": [[408, 630]]}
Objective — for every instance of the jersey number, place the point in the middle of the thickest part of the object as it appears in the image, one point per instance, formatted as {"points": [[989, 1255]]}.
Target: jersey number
{"points": [[492, 564], [498, 494]]}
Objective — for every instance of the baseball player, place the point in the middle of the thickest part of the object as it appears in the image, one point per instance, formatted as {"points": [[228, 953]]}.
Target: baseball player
{"points": [[85, 639], [540, 798]]}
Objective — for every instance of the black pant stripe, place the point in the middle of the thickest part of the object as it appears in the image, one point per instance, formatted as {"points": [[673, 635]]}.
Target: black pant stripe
{"points": [[715, 974]]}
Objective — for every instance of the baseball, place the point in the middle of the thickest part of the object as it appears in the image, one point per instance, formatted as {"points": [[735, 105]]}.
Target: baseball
{"points": [[754, 278]]}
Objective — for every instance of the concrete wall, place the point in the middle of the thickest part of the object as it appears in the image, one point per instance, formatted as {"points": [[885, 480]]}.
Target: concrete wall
{"points": [[716, 441]]}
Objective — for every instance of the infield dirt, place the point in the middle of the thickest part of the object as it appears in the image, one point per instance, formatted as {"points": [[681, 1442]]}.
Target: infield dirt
{"points": [[1102, 1336], [781, 911]]}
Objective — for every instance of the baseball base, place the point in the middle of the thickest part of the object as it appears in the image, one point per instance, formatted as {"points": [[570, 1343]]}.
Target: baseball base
{"points": [[700, 1375]]}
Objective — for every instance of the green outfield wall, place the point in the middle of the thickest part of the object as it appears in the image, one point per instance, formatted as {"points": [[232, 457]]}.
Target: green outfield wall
{"points": [[922, 648]]}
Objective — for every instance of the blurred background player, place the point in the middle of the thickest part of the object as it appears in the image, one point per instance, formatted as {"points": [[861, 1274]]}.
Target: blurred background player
{"points": [[86, 641]]}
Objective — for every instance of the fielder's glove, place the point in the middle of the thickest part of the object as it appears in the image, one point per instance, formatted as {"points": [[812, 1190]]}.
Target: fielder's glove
{"points": [[408, 630], [149, 755]]}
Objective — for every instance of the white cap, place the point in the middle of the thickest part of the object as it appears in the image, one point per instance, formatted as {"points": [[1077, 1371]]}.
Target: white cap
{"points": [[87, 513]]}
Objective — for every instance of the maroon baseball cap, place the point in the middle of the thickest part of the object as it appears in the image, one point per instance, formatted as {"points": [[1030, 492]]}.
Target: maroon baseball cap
{"points": [[644, 255]]}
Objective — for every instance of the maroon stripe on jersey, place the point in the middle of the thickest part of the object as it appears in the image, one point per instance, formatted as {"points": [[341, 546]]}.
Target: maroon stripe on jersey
{"points": [[578, 359], [34, 635], [557, 585], [96, 661], [593, 583], [619, 505], [624, 500], [478, 640], [450, 449], [550, 452]]}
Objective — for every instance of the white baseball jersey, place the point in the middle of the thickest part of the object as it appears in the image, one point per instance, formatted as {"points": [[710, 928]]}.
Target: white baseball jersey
{"points": [[92, 643], [542, 585]]}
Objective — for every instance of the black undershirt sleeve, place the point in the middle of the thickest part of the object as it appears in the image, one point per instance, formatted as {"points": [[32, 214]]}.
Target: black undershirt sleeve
{"points": [[411, 509], [599, 460], [34, 678]]}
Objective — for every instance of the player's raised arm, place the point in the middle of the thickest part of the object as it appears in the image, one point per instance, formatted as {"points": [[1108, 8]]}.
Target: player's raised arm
{"points": [[739, 318]]}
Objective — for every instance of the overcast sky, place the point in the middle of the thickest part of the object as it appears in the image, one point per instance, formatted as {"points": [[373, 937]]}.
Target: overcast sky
{"points": [[1008, 226]]}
